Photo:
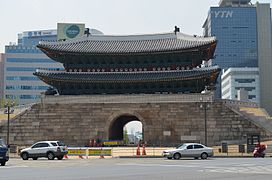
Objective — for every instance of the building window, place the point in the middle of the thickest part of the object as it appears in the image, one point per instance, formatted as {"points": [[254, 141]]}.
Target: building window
{"points": [[20, 69], [27, 96], [225, 84], [246, 88], [24, 87], [245, 80], [225, 92], [10, 96], [10, 87], [22, 78], [29, 60]]}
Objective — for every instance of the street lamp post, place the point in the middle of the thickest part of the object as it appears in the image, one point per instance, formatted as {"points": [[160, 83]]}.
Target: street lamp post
{"points": [[205, 124], [8, 125], [8, 111], [205, 107]]}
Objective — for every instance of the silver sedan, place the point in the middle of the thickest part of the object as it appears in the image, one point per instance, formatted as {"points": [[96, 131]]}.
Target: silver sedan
{"points": [[194, 150]]}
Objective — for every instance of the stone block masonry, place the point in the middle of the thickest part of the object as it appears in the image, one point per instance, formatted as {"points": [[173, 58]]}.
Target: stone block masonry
{"points": [[167, 120]]}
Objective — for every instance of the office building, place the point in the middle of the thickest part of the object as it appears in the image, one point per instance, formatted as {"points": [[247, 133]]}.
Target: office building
{"points": [[1, 75], [20, 62], [235, 79], [243, 31], [22, 59]]}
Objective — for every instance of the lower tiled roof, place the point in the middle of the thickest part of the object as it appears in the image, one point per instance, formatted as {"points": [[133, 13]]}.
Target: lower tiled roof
{"points": [[140, 76]]}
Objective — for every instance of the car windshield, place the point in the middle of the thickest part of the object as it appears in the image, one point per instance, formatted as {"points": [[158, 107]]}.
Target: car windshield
{"points": [[61, 143], [181, 146], [2, 143]]}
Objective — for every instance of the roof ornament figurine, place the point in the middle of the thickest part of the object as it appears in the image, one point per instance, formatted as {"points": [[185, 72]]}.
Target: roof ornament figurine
{"points": [[176, 30], [87, 31]]}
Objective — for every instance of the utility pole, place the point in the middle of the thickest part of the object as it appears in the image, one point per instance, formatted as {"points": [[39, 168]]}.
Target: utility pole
{"points": [[8, 111]]}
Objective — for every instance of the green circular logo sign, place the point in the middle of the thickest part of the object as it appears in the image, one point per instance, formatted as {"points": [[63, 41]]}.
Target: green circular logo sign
{"points": [[72, 31]]}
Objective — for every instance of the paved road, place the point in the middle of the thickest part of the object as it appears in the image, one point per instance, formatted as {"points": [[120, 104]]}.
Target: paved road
{"points": [[139, 169]]}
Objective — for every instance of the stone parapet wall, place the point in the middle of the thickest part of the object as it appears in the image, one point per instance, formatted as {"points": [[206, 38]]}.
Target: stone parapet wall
{"points": [[133, 98], [164, 124]]}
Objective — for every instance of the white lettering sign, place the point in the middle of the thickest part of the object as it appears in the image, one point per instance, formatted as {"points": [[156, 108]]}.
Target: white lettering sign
{"points": [[188, 138], [223, 14], [39, 33], [167, 133]]}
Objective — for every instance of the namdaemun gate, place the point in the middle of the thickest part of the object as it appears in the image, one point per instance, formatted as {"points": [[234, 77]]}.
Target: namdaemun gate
{"points": [[164, 81], [155, 63]]}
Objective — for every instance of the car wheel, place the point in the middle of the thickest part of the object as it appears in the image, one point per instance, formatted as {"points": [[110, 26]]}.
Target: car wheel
{"points": [[255, 155], [60, 157], [3, 163], [25, 156], [177, 156], [35, 158], [50, 156], [204, 156], [169, 157]]}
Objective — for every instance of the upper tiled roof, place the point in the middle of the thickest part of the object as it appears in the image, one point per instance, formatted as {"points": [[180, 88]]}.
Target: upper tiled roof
{"points": [[103, 44]]}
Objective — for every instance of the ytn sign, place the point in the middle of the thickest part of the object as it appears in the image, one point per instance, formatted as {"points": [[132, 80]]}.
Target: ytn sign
{"points": [[222, 14]]}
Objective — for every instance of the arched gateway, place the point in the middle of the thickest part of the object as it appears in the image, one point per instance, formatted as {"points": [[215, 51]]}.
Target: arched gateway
{"points": [[116, 123]]}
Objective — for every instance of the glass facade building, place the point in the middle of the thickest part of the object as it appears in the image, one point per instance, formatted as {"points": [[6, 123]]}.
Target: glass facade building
{"points": [[21, 61], [236, 33], [243, 31], [1, 75]]}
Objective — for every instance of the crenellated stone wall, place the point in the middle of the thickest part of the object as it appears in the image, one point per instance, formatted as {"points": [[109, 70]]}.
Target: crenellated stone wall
{"points": [[164, 122]]}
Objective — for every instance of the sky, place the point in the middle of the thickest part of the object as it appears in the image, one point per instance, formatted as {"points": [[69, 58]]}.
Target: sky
{"points": [[109, 16]]}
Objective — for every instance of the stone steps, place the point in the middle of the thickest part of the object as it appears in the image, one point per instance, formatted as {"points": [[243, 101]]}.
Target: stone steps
{"points": [[256, 115]]}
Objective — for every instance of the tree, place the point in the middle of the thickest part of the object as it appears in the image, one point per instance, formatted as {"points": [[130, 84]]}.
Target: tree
{"points": [[126, 140], [8, 102]]}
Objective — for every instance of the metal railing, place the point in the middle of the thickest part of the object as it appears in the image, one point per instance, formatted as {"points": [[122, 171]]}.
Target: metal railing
{"points": [[236, 103], [93, 152]]}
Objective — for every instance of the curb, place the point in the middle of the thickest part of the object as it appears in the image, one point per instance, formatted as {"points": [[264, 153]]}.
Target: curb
{"points": [[141, 157], [233, 157]]}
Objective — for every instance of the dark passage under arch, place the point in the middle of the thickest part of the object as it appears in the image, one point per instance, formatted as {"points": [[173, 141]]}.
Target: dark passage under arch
{"points": [[116, 131]]}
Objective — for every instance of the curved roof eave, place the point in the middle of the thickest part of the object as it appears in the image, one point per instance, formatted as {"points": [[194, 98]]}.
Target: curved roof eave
{"points": [[50, 51], [102, 44]]}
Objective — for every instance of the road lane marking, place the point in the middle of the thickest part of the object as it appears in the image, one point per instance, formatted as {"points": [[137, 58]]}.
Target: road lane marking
{"points": [[10, 167], [240, 170], [158, 165]]}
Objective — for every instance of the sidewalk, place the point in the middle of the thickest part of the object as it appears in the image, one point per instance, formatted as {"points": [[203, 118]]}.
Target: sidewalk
{"points": [[155, 152]]}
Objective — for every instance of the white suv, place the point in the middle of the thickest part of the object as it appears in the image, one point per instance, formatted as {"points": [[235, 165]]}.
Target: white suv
{"points": [[49, 149]]}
